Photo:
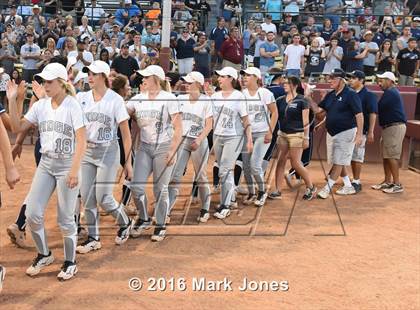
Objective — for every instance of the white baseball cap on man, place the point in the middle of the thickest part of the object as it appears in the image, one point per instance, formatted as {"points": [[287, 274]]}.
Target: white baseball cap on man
{"points": [[98, 66], [153, 70], [387, 75], [53, 71], [194, 77], [252, 71], [228, 71]]}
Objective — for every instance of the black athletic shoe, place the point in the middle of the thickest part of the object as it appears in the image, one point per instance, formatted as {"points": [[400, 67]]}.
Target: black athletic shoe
{"points": [[357, 187], [68, 271], [222, 212], [309, 193], [159, 234], [204, 216]]}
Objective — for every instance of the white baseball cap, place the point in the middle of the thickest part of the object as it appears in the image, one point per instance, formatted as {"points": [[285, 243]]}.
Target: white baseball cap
{"points": [[252, 71], [53, 71], [71, 61], [387, 75], [194, 77], [98, 66], [153, 70], [80, 76], [228, 71], [127, 2]]}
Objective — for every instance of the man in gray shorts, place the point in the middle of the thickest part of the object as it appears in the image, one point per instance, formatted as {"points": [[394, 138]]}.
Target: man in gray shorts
{"points": [[344, 121], [370, 109]]}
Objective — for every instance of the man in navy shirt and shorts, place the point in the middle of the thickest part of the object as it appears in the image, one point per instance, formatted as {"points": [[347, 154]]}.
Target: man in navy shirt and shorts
{"points": [[370, 109], [344, 121], [393, 121]]}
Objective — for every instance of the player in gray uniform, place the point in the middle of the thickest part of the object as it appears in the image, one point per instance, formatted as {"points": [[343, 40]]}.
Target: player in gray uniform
{"points": [[262, 113], [105, 111], [230, 131], [60, 121], [12, 176], [157, 114], [197, 121]]}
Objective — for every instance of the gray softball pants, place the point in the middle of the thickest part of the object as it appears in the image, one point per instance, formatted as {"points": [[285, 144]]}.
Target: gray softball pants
{"points": [[227, 150], [51, 174], [199, 159], [151, 158], [99, 171], [252, 163]]}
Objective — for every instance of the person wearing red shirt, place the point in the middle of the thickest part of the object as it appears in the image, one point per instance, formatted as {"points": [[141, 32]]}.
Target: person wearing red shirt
{"points": [[232, 50]]}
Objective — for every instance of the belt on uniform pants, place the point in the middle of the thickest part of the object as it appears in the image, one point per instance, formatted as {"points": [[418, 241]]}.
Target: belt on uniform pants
{"points": [[93, 144], [393, 124], [57, 155]]}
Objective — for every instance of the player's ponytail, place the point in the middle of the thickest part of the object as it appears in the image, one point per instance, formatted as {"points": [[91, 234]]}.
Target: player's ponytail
{"points": [[68, 88]]}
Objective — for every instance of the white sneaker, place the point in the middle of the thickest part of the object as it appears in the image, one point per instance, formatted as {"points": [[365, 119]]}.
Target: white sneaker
{"points": [[222, 213], [139, 226], [381, 186], [124, 233], [323, 193], [17, 236], [68, 271], [39, 263], [91, 244], [346, 190], [2, 275], [261, 198], [158, 234], [204, 216]]}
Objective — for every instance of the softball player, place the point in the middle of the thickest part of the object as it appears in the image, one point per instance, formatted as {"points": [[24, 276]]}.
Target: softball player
{"points": [[230, 122], [105, 111], [197, 121], [157, 114], [12, 176], [61, 125], [260, 102]]}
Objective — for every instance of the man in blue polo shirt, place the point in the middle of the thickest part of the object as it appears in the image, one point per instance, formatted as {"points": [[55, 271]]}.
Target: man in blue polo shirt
{"points": [[268, 52], [344, 121], [370, 109], [217, 36], [392, 119]]}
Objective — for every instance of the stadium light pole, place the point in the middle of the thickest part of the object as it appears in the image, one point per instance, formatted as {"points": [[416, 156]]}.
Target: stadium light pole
{"points": [[165, 50]]}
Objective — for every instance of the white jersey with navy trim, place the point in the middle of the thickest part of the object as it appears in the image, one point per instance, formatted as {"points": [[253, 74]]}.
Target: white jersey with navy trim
{"points": [[227, 113], [154, 116], [257, 107], [104, 116], [57, 127], [194, 114]]}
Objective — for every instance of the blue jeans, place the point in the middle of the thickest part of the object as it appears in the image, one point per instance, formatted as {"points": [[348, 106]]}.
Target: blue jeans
{"points": [[293, 72]]}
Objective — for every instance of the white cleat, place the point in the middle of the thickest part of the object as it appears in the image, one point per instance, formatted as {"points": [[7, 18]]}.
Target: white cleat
{"points": [[204, 216], [89, 245], [39, 263], [222, 213], [323, 193], [124, 233], [68, 271], [17, 236], [346, 190]]}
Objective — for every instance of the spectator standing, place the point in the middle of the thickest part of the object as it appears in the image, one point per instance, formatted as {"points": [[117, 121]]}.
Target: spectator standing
{"points": [[79, 7], [260, 40], [407, 65], [344, 43], [232, 50], [9, 34], [373, 48], [385, 57], [247, 35], [415, 30], [202, 55], [327, 31], [204, 9], [84, 58], [285, 29], [315, 56], [268, 26], [378, 37], [217, 36], [84, 28], [333, 56], [8, 56], [50, 32], [393, 121], [355, 56], [30, 54], [185, 52], [268, 52], [137, 50], [294, 57], [402, 41], [11, 19], [310, 27], [125, 64], [149, 39], [37, 19]]}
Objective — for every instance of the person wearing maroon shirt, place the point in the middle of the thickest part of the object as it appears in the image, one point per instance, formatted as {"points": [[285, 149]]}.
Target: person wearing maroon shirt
{"points": [[232, 50]]}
